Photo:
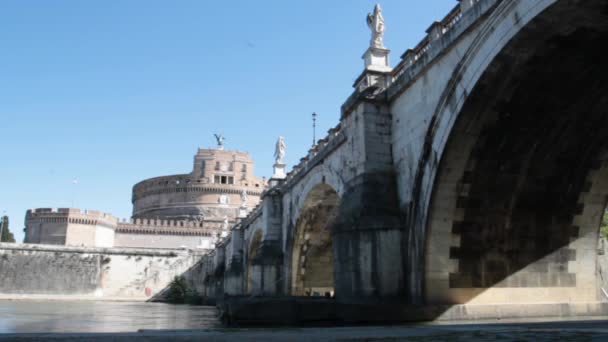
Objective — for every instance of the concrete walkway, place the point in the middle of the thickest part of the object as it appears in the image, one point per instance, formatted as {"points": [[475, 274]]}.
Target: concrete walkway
{"points": [[596, 330]]}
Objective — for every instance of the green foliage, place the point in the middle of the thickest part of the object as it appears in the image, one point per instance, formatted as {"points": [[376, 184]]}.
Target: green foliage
{"points": [[180, 293], [604, 226], [6, 236]]}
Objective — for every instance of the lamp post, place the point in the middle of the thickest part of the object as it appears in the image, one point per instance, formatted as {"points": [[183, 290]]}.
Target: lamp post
{"points": [[314, 128]]}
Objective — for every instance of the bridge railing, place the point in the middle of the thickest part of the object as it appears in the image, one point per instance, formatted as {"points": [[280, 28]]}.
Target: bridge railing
{"points": [[434, 32], [324, 146]]}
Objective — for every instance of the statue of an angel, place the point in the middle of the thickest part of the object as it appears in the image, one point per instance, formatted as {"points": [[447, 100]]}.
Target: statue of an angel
{"points": [[244, 198], [220, 141], [279, 150], [375, 21]]}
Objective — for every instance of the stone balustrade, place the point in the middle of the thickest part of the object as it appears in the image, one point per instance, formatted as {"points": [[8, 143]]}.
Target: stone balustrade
{"points": [[435, 32]]}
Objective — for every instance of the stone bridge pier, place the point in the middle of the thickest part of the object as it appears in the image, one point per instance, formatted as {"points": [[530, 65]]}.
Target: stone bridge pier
{"points": [[467, 182]]}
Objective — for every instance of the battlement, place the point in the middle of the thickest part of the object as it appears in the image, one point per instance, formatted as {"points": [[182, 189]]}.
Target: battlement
{"points": [[94, 217], [71, 215], [240, 155], [166, 181], [160, 223], [67, 211], [156, 188], [172, 227]]}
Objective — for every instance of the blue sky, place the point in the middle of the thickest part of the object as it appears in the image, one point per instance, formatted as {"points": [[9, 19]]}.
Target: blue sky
{"points": [[113, 92]]}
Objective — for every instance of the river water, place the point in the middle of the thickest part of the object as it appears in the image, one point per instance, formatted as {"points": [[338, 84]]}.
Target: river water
{"points": [[88, 316], [129, 317]]}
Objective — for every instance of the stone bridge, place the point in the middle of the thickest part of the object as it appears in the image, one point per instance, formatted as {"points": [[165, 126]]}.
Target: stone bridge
{"points": [[473, 172]]}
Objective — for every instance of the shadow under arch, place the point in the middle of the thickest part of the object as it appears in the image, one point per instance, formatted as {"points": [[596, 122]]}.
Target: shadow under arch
{"points": [[522, 182], [312, 256], [252, 251]]}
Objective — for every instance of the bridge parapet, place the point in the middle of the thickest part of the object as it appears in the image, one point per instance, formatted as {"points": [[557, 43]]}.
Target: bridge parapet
{"points": [[335, 137], [437, 30], [440, 36]]}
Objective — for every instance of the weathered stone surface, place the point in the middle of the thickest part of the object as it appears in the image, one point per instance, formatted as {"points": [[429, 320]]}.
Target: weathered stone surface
{"points": [[94, 273], [475, 173]]}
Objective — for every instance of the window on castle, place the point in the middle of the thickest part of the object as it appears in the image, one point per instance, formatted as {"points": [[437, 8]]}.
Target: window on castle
{"points": [[202, 168], [244, 168], [217, 166], [223, 180]]}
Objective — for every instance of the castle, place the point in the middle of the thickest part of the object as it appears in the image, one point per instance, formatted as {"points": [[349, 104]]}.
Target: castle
{"points": [[188, 210]]}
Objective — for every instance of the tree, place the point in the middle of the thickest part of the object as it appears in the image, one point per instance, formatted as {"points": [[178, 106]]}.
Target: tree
{"points": [[6, 236], [178, 290], [181, 293]]}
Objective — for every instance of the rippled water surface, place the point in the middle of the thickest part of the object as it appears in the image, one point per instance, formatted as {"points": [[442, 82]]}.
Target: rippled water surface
{"points": [[85, 316]]}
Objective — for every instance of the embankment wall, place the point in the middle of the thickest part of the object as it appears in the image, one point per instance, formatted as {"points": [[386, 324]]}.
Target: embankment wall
{"points": [[95, 273]]}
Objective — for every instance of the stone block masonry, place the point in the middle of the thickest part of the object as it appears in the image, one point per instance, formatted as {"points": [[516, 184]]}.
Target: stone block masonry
{"points": [[92, 273], [469, 181]]}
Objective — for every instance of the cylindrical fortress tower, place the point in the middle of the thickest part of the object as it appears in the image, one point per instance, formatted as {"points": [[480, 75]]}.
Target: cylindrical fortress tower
{"points": [[221, 184]]}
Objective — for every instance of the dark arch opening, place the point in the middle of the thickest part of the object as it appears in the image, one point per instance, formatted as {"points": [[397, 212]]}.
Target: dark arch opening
{"points": [[312, 263], [254, 246], [527, 147]]}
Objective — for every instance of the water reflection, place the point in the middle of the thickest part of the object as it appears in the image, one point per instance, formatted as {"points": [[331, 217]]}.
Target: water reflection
{"points": [[84, 316]]}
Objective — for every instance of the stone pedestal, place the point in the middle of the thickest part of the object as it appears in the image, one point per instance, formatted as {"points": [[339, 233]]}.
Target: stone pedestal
{"points": [[376, 59], [243, 211], [377, 69], [279, 171]]}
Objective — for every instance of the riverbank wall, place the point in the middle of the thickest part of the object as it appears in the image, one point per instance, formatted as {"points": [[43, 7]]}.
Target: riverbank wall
{"points": [[47, 271]]}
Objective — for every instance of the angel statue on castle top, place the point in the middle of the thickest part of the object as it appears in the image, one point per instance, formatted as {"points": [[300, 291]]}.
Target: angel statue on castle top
{"points": [[375, 21], [279, 150], [220, 141]]}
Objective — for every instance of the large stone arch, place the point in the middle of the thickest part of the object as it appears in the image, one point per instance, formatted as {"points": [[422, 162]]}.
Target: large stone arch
{"points": [[253, 247], [311, 262], [514, 178]]}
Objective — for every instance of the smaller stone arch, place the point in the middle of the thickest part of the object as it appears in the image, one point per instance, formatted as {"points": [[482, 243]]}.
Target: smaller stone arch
{"points": [[320, 176], [312, 252], [255, 242]]}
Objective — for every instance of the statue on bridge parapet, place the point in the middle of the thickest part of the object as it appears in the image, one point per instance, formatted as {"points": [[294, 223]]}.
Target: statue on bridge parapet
{"points": [[279, 151], [243, 208], [244, 198], [375, 21], [225, 227], [279, 155], [376, 57]]}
